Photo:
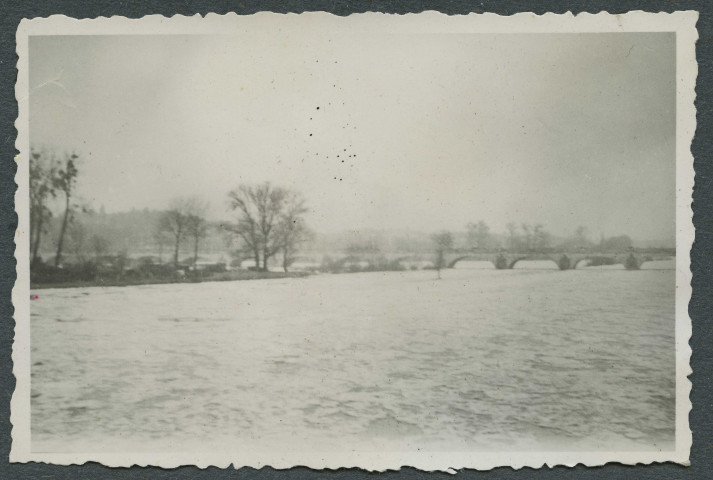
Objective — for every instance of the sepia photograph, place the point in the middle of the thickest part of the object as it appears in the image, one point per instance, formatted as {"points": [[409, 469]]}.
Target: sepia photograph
{"points": [[366, 241]]}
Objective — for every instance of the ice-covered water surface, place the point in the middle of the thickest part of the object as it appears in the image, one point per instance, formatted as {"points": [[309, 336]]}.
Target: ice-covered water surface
{"points": [[482, 359]]}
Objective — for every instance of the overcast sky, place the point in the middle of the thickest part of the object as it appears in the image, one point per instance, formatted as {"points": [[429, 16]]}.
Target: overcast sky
{"points": [[431, 131]]}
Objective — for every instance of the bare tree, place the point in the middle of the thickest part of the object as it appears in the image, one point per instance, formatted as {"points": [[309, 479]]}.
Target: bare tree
{"points": [[527, 236], [479, 235], [581, 237], [541, 237], [512, 236], [621, 243], [42, 190], [292, 230], [176, 222], [173, 223], [443, 242], [259, 211], [65, 181], [197, 225], [242, 200]]}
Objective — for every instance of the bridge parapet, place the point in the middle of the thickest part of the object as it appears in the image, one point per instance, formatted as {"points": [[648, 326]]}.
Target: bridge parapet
{"points": [[563, 260], [503, 260]]}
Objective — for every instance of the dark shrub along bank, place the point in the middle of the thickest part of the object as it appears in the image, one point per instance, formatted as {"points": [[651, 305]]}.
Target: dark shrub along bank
{"points": [[106, 274]]}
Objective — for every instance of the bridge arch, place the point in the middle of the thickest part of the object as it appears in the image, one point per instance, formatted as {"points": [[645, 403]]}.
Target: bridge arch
{"points": [[529, 258], [628, 261], [579, 262], [599, 260], [474, 258], [562, 262]]}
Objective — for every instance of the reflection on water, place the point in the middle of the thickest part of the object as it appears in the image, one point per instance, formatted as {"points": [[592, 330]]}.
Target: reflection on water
{"points": [[474, 265], [482, 359], [536, 265], [669, 264]]}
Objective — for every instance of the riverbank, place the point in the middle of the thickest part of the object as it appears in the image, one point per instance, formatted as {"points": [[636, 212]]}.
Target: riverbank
{"points": [[233, 275]]}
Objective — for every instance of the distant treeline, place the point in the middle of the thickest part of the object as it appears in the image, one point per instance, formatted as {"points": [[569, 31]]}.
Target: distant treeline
{"points": [[134, 233], [264, 226]]}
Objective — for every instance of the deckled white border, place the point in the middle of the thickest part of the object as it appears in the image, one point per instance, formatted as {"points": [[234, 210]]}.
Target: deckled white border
{"points": [[683, 23]]}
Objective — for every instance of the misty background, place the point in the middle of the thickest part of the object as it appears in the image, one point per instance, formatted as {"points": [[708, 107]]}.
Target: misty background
{"points": [[412, 133]]}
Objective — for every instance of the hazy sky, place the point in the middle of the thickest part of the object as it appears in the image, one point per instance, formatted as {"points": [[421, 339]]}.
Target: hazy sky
{"points": [[432, 131]]}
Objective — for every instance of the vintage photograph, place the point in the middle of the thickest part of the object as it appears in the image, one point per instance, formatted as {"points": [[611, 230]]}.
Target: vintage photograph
{"points": [[310, 237]]}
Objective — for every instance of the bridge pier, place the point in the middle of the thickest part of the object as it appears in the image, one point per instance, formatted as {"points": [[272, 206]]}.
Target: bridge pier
{"points": [[564, 263], [501, 263]]}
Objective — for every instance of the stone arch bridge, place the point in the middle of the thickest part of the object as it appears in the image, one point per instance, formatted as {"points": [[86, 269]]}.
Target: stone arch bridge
{"points": [[503, 260], [564, 260]]}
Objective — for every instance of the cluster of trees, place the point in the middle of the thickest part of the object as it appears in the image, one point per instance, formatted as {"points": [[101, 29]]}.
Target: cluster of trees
{"points": [[52, 185], [270, 220], [369, 242], [527, 237], [62, 223], [184, 220], [478, 236], [524, 237]]}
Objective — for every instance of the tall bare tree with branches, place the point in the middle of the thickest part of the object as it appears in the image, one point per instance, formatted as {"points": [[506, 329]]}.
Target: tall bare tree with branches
{"points": [[262, 212], [242, 200], [183, 219], [42, 176], [197, 224], [292, 230], [443, 242], [65, 181]]}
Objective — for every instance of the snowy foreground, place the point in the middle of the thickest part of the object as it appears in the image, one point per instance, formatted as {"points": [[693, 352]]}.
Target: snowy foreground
{"points": [[490, 360]]}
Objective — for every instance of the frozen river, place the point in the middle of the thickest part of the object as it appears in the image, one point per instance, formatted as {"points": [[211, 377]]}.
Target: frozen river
{"points": [[482, 359]]}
